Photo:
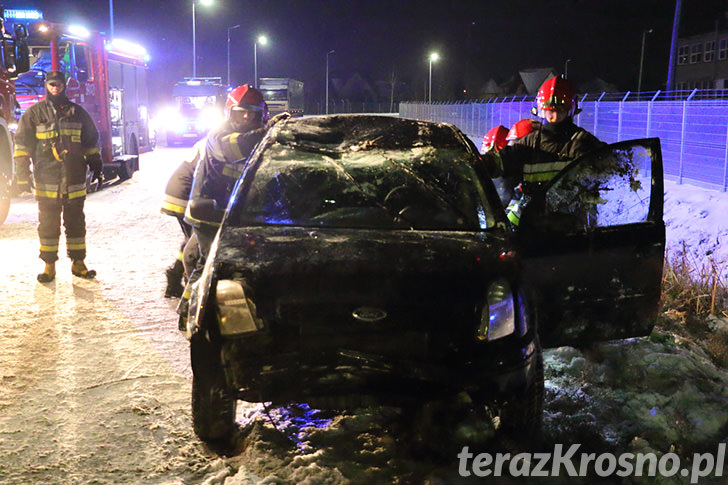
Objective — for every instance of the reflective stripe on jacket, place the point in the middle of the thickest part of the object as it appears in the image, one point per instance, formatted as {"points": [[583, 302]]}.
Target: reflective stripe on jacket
{"points": [[58, 141], [177, 193], [543, 153]]}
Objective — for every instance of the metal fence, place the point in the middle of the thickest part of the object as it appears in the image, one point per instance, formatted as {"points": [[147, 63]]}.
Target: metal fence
{"points": [[692, 125]]}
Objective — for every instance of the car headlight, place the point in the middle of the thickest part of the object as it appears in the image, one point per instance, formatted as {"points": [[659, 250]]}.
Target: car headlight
{"points": [[497, 318], [237, 313]]}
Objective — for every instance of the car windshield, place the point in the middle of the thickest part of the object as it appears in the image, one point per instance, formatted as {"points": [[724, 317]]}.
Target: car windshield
{"points": [[364, 182]]}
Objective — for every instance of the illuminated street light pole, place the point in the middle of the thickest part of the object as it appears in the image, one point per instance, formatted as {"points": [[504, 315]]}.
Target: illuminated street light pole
{"points": [[194, 36], [111, 19], [642, 59], [228, 51], [433, 58], [262, 40], [566, 68], [327, 80]]}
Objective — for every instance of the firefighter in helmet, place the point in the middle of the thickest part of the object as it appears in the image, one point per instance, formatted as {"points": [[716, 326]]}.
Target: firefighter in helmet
{"points": [[60, 139], [226, 150], [554, 142]]}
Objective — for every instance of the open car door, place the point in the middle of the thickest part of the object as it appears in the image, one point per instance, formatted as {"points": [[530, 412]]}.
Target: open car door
{"points": [[593, 245]]}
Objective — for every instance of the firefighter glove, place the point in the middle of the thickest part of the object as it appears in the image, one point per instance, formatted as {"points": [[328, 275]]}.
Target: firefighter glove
{"points": [[279, 117], [493, 163], [96, 166], [98, 175]]}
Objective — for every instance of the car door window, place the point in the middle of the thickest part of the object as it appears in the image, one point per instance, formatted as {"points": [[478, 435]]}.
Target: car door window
{"points": [[612, 188]]}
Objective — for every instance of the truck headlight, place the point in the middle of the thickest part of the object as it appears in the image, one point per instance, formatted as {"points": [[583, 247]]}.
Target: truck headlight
{"points": [[497, 318], [237, 313]]}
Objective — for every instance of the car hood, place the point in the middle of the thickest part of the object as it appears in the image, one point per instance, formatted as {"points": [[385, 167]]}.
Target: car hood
{"points": [[310, 277], [279, 251]]}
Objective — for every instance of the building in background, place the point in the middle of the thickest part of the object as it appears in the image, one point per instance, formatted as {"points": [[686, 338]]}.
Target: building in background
{"points": [[702, 61]]}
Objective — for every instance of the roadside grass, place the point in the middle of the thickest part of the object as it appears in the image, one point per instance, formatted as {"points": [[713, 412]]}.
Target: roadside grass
{"points": [[695, 303]]}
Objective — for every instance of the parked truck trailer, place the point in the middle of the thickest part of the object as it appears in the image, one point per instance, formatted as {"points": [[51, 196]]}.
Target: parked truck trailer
{"points": [[282, 94]]}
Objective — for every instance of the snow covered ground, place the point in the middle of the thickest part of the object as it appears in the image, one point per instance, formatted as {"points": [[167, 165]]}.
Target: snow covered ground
{"points": [[698, 218], [95, 378]]}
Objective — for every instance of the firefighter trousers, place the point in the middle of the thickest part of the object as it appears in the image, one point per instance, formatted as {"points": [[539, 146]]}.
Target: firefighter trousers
{"points": [[49, 227]]}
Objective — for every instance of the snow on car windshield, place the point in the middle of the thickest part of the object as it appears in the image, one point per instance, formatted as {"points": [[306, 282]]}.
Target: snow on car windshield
{"points": [[329, 180]]}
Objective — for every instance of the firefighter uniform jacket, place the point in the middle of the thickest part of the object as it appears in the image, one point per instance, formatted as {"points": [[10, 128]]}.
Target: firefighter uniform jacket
{"points": [[58, 140], [179, 186], [540, 155], [219, 169]]}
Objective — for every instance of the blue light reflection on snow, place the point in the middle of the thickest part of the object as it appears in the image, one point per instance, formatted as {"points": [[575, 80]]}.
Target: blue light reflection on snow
{"points": [[295, 422]]}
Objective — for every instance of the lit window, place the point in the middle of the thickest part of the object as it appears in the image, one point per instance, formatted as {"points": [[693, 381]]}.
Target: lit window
{"points": [[683, 54], [723, 49]]}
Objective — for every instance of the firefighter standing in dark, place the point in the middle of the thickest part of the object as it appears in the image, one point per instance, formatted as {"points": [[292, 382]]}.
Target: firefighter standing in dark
{"points": [[60, 139]]}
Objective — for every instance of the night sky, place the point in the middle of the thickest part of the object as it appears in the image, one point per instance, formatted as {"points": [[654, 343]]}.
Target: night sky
{"points": [[377, 39]]}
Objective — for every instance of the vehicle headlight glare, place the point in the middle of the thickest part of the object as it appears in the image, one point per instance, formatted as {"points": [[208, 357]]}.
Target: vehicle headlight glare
{"points": [[497, 318]]}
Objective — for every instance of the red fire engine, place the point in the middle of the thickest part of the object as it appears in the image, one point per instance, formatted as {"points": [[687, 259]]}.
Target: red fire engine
{"points": [[13, 60], [107, 77]]}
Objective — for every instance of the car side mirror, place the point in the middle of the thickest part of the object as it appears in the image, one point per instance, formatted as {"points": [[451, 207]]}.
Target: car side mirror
{"points": [[206, 210]]}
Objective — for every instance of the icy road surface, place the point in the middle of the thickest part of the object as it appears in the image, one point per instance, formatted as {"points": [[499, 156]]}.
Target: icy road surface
{"points": [[95, 379]]}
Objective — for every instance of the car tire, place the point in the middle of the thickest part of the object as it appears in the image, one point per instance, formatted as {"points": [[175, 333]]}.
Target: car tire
{"points": [[522, 413], [213, 403]]}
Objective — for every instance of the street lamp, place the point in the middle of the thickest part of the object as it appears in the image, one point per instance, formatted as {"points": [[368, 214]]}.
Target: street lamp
{"points": [[262, 40], [327, 80], [194, 37], [642, 59], [228, 51], [434, 57], [566, 68]]}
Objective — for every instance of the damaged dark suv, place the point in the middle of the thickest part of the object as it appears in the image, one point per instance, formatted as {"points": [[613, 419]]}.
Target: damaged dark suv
{"points": [[362, 260]]}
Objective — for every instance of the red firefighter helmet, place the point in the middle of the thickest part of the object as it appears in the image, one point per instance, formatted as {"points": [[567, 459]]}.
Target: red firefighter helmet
{"points": [[494, 139], [555, 94], [246, 97], [521, 128]]}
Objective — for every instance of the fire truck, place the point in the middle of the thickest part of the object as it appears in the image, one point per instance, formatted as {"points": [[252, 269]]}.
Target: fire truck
{"points": [[107, 77], [13, 60], [199, 107]]}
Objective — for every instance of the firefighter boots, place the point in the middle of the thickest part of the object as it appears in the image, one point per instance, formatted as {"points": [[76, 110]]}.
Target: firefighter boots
{"points": [[78, 268], [48, 274], [174, 273]]}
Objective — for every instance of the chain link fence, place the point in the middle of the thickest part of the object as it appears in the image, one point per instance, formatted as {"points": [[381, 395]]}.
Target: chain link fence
{"points": [[692, 125]]}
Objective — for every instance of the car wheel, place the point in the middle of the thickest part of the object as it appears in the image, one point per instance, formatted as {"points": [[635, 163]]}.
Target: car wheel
{"points": [[522, 413], [213, 404]]}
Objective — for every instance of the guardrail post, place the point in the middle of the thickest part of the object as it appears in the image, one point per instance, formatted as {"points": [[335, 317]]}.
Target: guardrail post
{"points": [[621, 114], [682, 134], [725, 160], [649, 113]]}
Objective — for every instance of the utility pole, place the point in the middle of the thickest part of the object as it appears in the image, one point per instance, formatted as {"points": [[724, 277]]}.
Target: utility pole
{"points": [[673, 46]]}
